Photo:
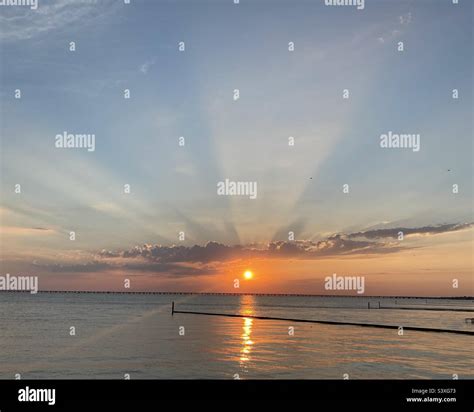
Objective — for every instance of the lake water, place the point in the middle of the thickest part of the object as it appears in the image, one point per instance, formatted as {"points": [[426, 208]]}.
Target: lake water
{"points": [[118, 334]]}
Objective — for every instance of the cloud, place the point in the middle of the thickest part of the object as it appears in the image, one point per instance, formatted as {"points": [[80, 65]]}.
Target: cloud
{"points": [[425, 230], [217, 252], [25, 231], [406, 18], [20, 23], [173, 269], [395, 31], [189, 261], [370, 242], [146, 66], [136, 265], [211, 252], [94, 266]]}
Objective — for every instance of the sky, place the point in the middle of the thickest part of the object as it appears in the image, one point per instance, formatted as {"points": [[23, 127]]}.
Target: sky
{"points": [[282, 93]]}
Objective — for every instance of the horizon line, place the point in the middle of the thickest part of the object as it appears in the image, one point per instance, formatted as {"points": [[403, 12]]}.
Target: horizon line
{"points": [[237, 294]]}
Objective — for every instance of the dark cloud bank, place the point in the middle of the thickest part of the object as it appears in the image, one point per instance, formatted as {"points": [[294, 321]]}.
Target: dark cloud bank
{"points": [[377, 241], [182, 261]]}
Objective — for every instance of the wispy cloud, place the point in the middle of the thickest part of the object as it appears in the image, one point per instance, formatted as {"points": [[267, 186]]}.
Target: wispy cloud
{"points": [[146, 66], [180, 269], [94, 266], [25, 231], [406, 18], [20, 23], [425, 230], [395, 31]]}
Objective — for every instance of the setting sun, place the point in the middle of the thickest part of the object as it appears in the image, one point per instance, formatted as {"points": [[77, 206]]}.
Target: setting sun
{"points": [[248, 274]]}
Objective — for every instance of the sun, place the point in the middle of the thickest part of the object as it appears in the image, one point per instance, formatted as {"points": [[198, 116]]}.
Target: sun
{"points": [[248, 275]]}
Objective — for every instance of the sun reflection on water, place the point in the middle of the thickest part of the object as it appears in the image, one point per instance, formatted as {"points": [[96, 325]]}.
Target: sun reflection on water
{"points": [[247, 308]]}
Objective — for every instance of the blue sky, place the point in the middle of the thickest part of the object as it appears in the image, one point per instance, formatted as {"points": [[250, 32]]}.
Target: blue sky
{"points": [[190, 94]]}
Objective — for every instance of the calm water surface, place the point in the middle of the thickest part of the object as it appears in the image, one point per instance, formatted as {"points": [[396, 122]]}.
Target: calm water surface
{"points": [[119, 334]]}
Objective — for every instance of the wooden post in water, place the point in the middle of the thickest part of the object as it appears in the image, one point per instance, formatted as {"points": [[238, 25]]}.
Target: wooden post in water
{"points": [[172, 308]]}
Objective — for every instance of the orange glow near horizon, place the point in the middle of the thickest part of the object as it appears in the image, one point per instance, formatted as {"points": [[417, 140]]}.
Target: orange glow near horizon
{"points": [[426, 267]]}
